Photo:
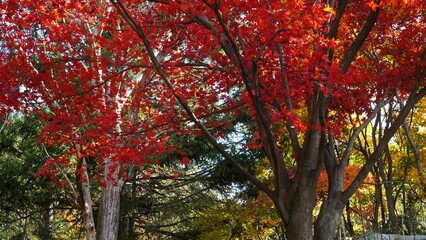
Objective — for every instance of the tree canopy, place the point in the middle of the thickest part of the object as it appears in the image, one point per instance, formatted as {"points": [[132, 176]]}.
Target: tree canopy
{"points": [[295, 83]]}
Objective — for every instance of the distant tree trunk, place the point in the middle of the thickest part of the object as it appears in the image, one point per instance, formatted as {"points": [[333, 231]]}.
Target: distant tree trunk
{"points": [[378, 199], [109, 206], [46, 223], [127, 222], [387, 183], [349, 225], [133, 214]]}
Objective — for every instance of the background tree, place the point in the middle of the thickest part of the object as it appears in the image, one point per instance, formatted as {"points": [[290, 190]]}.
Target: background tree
{"points": [[31, 207]]}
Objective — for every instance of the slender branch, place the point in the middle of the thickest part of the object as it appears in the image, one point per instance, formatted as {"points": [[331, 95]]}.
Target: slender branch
{"points": [[88, 90], [4, 123], [289, 105], [203, 65], [62, 172], [357, 131], [223, 110], [416, 152], [151, 227], [387, 135]]}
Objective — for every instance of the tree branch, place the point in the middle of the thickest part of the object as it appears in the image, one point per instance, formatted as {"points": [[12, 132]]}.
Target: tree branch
{"points": [[359, 40], [251, 82], [388, 134], [354, 136], [288, 103], [131, 22]]}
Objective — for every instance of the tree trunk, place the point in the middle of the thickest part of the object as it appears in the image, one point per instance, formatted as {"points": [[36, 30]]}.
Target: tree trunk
{"points": [[46, 227], [109, 210], [387, 183], [328, 220], [299, 226], [88, 213], [378, 199], [85, 199], [127, 219], [109, 206], [350, 226], [302, 195]]}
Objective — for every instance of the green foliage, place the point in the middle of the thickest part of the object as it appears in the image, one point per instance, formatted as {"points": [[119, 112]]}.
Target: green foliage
{"points": [[27, 202]]}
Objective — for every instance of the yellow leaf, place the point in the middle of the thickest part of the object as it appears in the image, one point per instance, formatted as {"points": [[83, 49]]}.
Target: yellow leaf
{"points": [[329, 10]]}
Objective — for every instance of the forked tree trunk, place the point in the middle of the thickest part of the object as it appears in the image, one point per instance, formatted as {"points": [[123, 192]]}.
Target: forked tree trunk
{"points": [[302, 195]]}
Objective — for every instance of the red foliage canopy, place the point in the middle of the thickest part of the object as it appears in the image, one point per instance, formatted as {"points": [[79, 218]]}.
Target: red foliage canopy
{"points": [[87, 73]]}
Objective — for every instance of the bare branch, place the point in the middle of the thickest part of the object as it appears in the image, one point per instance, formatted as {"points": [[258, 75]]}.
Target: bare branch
{"points": [[388, 134], [354, 136]]}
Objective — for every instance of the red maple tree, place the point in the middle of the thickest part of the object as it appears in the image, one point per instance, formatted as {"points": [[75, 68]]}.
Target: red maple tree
{"points": [[113, 78]]}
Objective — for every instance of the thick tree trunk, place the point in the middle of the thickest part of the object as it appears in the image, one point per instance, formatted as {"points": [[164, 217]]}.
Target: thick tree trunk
{"points": [[302, 193], [109, 210], [109, 206], [300, 223], [328, 220], [299, 226]]}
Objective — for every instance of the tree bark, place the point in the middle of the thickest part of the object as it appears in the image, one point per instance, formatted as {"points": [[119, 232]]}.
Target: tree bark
{"points": [[328, 220], [109, 206], [46, 226], [109, 211], [85, 199], [301, 196], [300, 223], [387, 183]]}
